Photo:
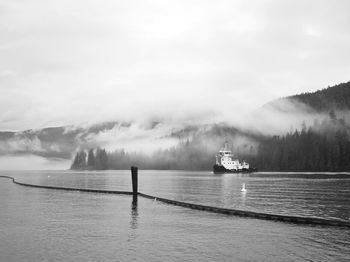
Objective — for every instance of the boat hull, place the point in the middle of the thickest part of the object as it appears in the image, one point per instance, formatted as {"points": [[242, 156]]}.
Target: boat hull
{"points": [[222, 170]]}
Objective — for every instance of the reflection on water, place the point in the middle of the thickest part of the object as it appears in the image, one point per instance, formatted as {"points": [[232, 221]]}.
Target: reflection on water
{"points": [[132, 235], [134, 213], [243, 197]]}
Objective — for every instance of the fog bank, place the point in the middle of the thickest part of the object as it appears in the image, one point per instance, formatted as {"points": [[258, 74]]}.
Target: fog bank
{"points": [[31, 162]]}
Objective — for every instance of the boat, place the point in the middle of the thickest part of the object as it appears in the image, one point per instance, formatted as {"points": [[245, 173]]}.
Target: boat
{"points": [[227, 163]]}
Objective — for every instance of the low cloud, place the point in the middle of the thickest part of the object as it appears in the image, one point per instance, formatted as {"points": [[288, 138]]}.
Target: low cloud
{"points": [[31, 162], [127, 61], [19, 143], [279, 117], [133, 138]]}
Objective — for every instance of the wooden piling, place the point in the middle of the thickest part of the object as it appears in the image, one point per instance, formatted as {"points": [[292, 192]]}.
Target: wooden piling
{"points": [[134, 171]]}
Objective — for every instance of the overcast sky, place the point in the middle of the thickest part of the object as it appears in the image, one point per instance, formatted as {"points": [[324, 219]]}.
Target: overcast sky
{"points": [[71, 62]]}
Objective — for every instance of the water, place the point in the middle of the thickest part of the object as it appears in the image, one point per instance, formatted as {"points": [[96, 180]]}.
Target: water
{"points": [[49, 225]]}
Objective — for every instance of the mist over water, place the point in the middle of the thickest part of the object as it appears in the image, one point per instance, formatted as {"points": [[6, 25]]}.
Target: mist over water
{"points": [[32, 162]]}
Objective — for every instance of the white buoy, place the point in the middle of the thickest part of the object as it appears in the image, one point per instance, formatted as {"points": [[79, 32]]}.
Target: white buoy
{"points": [[243, 188]]}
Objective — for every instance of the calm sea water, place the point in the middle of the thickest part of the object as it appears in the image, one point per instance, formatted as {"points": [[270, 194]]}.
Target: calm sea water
{"points": [[49, 225]]}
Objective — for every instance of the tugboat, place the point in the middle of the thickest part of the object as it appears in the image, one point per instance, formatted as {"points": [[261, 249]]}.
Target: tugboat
{"points": [[226, 163]]}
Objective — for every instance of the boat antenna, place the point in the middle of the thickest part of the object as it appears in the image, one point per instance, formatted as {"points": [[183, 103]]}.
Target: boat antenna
{"points": [[226, 145]]}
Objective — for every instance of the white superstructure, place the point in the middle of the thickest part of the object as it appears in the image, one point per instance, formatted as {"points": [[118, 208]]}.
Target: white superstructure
{"points": [[226, 159]]}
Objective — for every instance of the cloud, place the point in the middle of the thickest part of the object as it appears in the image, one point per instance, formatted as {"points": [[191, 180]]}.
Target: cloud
{"points": [[21, 144], [92, 62], [133, 138], [31, 162]]}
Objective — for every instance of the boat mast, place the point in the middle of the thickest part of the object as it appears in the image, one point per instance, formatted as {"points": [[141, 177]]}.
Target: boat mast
{"points": [[226, 145]]}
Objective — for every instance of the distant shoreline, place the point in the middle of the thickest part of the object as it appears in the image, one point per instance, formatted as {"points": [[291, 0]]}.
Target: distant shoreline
{"points": [[260, 173]]}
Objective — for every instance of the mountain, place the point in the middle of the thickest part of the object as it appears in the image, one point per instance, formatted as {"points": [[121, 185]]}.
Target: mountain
{"points": [[324, 146], [194, 149], [336, 98], [63, 142], [269, 128], [51, 142]]}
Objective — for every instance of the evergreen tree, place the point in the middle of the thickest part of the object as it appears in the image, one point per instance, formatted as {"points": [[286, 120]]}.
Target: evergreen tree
{"points": [[79, 160], [91, 159], [82, 160], [75, 163], [101, 159]]}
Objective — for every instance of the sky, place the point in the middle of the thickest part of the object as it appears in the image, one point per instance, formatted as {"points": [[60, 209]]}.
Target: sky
{"points": [[78, 61]]}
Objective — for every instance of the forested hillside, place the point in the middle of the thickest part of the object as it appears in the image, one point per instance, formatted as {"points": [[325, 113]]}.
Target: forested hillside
{"points": [[262, 140], [321, 146], [332, 98], [195, 151], [324, 146]]}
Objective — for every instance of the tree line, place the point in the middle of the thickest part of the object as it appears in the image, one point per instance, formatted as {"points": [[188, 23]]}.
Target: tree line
{"points": [[335, 97], [91, 160], [323, 146]]}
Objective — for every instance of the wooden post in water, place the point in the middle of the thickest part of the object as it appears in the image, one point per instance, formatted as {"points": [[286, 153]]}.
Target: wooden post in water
{"points": [[134, 171]]}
